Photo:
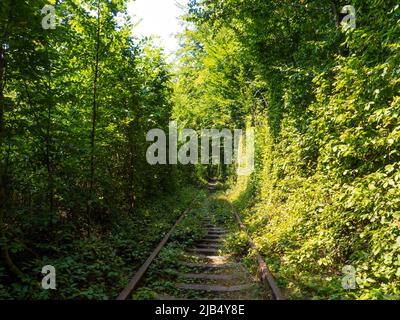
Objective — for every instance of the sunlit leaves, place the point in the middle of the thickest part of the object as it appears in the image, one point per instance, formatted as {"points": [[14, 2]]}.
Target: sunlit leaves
{"points": [[327, 187]]}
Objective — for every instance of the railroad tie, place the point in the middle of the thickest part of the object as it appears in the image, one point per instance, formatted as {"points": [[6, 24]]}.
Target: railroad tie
{"points": [[208, 245], [212, 237], [208, 251], [213, 288], [213, 240], [208, 265], [216, 231], [207, 276], [212, 231], [214, 259]]}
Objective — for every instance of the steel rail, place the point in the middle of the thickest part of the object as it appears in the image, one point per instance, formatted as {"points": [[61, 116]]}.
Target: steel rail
{"points": [[264, 272], [134, 283]]}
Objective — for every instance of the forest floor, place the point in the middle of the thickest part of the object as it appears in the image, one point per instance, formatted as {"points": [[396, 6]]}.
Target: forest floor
{"points": [[95, 267]]}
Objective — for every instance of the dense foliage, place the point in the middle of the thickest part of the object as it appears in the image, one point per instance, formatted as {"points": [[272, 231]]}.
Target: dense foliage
{"points": [[325, 101], [76, 103]]}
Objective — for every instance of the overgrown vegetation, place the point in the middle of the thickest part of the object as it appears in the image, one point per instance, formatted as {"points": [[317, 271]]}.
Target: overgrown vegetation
{"points": [[76, 103], [161, 277], [98, 267], [76, 190], [325, 103]]}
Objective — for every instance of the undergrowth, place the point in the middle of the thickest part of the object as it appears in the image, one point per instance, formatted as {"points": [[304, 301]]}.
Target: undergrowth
{"points": [[100, 266]]}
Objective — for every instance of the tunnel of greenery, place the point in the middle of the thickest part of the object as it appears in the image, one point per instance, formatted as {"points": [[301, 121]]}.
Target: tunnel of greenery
{"points": [[77, 101]]}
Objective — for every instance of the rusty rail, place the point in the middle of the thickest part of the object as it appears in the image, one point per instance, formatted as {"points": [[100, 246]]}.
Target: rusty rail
{"points": [[134, 283], [264, 272]]}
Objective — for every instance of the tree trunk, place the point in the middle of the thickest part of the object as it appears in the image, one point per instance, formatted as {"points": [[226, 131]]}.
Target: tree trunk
{"points": [[50, 181], [94, 120], [335, 9]]}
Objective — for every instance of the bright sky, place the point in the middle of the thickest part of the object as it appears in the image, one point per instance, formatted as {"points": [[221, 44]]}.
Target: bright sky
{"points": [[160, 18]]}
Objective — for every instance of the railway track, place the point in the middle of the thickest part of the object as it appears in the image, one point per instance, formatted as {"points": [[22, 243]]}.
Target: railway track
{"points": [[208, 270]]}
